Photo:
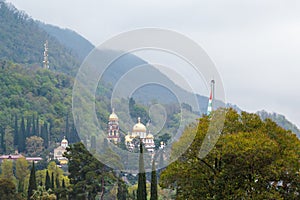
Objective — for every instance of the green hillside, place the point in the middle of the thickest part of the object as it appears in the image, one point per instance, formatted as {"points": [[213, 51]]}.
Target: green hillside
{"points": [[78, 44], [34, 93], [22, 41]]}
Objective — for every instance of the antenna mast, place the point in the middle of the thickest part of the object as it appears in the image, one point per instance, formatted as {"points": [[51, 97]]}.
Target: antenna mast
{"points": [[46, 61]]}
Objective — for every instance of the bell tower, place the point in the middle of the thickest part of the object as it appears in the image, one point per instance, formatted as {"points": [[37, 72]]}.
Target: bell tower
{"points": [[113, 128]]}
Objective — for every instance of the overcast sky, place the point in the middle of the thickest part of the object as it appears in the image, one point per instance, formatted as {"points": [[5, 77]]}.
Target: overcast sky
{"points": [[255, 44]]}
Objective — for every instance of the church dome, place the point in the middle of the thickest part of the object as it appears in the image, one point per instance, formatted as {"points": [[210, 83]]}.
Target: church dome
{"points": [[113, 116], [128, 138], [139, 127], [150, 136], [64, 142]]}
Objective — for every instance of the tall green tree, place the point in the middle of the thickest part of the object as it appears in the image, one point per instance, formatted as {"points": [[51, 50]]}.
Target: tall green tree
{"points": [[9, 140], [57, 182], [67, 128], [52, 181], [122, 190], [63, 184], [32, 182], [8, 190], [154, 195], [16, 131], [47, 181], [142, 190], [33, 131], [34, 145], [45, 134], [28, 127], [7, 170], [22, 136], [37, 126], [88, 176], [252, 159], [21, 172], [2, 138]]}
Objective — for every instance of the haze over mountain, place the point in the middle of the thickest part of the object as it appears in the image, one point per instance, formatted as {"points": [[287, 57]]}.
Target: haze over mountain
{"points": [[80, 46], [22, 42]]}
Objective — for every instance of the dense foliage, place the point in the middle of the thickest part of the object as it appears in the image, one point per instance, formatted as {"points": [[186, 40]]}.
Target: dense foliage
{"points": [[88, 176], [32, 182], [22, 41], [33, 103], [141, 191], [253, 159]]}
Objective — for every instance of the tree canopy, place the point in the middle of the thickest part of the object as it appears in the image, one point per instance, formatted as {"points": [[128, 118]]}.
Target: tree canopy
{"points": [[253, 159]]}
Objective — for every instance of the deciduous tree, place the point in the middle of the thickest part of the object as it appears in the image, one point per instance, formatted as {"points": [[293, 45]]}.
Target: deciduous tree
{"points": [[252, 159]]}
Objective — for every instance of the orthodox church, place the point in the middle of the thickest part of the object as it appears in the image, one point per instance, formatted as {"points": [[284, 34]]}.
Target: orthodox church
{"points": [[139, 131], [59, 151]]}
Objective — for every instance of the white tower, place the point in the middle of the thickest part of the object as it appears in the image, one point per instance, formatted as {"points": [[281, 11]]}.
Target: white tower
{"points": [[46, 61], [113, 128]]}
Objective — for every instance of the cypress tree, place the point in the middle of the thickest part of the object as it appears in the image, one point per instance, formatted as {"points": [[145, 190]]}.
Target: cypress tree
{"points": [[32, 182], [142, 191], [153, 182], [45, 135], [63, 184], [28, 128], [37, 126], [67, 128], [22, 137], [75, 135], [52, 181], [16, 131], [2, 138], [122, 190], [57, 183], [47, 181], [33, 132]]}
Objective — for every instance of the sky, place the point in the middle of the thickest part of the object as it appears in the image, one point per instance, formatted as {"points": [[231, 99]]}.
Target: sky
{"points": [[255, 44]]}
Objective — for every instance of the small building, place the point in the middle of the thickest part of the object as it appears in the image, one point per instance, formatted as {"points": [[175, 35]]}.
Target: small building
{"points": [[59, 151], [18, 156]]}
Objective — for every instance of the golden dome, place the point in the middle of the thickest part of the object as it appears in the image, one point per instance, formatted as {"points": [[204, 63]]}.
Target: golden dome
{"points": [[128, 138], [139, 127], [113, 116], [150, 136]]}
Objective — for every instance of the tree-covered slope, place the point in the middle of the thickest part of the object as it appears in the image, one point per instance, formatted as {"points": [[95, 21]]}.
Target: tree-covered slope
{"points": [[280, 120], [41, 93], [69, 38], [22, 41]]}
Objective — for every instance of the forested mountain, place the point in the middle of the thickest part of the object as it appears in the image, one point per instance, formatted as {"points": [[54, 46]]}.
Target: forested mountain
{"points": [[22, 41], [70, 39], [27, 88], [34, 103], [280, 120]]}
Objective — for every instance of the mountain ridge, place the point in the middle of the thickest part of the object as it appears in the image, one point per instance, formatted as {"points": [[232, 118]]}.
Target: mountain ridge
{"points": [[19, 46]]}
